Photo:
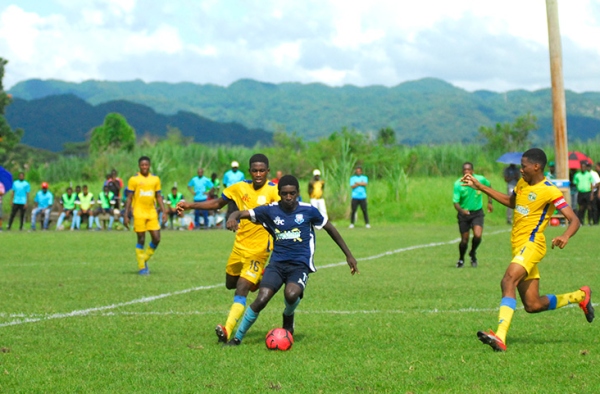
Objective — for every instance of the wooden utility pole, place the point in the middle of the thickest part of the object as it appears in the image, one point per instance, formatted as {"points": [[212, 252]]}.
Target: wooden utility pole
{"points": [[559, 111]]}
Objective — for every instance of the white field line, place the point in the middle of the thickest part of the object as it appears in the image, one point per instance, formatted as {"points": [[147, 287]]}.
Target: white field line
{"points": [[83, 312]]}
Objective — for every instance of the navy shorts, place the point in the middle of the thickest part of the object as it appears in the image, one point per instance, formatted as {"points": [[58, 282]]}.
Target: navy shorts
{"points": [[278, 273], [467, 222]]}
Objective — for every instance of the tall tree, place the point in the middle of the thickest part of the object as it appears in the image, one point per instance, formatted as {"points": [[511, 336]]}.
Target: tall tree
{"points": [[8, 137], [510, 137], [114, 134]]}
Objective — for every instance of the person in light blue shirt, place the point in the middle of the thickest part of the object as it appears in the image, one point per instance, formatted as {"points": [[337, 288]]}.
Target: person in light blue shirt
{"points": [[229, 178], [21, 191], [358, 183], [42, 204], [200, 186]]}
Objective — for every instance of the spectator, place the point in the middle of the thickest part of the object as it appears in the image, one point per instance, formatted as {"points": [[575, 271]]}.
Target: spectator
{"points": [[215, 192], [551, 173], [316, 187], [358, 183], [113, 186], [278, 176], [596, 194], [232, 176], [511, 177], [67, 203], [584, 182], [200, 186], [85, 202], [117, 187], [42, 204], [106, 199], [21, 189], [173, 198]]}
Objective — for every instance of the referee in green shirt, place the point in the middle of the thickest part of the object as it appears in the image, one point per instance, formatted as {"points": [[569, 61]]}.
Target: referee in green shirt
{"points": [[468, 202]]}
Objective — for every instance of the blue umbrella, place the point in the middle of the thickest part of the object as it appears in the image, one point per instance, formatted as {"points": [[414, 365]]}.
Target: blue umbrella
{"points": [[510, 158], [6, 179]]}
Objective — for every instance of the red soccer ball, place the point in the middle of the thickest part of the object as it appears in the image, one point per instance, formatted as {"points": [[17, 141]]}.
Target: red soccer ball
{"points": [[555, 222], [279, 339]]}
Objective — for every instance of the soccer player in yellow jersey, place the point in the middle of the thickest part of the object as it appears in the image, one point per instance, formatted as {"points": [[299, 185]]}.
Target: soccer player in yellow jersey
{"points": [[143, 191], [534, 199], [252, 242]]}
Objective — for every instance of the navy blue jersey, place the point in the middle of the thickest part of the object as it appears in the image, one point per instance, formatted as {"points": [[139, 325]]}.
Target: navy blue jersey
{"points": [[293, 232]]}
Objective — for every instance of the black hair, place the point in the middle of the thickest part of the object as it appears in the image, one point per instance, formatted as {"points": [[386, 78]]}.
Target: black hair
{"points": [[468, 163], [536, 156], [259, 158], [288, 180], [141, 159]]}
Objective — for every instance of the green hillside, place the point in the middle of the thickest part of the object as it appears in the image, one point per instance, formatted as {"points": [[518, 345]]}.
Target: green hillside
{"points": [[427, 111]]}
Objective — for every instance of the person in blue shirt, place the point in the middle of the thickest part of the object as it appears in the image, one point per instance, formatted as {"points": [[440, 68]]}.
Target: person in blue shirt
{"points": [[42, 204], [358, 183], [200, 186], [292, 225], [21, 189], [234, 175]]}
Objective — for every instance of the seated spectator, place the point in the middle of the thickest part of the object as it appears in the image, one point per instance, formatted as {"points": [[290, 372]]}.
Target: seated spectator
{"points": [[42, 204], [85, 202], [173, 198], [106, 199], [67, 209]]}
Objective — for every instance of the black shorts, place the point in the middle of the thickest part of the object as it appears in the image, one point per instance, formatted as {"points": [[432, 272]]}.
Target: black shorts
{"points": [[467, 222], [278, 273]]}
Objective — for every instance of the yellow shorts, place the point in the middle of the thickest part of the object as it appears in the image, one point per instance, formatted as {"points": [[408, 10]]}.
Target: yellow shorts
{"points": [[528, 256], [248, 265], [145, 224]]}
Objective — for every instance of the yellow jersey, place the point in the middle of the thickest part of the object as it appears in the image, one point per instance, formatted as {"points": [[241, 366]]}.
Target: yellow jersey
{"points": [[317, 189], [533, 209], [144, 189], [251, 236]]}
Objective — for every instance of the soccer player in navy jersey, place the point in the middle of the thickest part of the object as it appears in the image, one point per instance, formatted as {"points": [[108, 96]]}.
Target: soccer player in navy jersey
{"points": [[292, 224]]}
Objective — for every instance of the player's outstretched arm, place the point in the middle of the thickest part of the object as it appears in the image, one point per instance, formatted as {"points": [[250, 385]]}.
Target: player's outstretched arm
{"points": [[217, 203], [233, 221], [574, 224], [337, 237], [504, 199]]}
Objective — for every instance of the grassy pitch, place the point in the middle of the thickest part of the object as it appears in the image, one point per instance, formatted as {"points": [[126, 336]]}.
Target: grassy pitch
{"points": [[76, 317]]}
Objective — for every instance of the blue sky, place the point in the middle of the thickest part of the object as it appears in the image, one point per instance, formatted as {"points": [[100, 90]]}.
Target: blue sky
{"points": [[472, 44]]}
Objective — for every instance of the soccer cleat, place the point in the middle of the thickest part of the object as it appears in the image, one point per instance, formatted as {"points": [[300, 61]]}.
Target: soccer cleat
{"points": [[368, 225], [221, 332], [351, 226], [586, 304], [489, 338], [473, 260], [144, 271], [288, 323], [460, 264], [233, 342]]}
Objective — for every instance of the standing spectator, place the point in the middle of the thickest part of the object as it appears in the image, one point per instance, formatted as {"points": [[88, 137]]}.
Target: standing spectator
{"points": [[200, 186], [596, 194], [42, 204], [117, 187], [231, 177], [278, 176], [67, 203], [143, 192], [358, 183], [85, 202], [511, 177], [173, 198], [2, 192], [21, 189], [551, 173], [316, 188], [214, 193], [113, 186], [469, 204], [584, 182]]}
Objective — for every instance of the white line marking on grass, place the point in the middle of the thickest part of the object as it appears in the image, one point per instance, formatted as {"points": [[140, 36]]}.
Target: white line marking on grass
{"points": [[83, 312]]}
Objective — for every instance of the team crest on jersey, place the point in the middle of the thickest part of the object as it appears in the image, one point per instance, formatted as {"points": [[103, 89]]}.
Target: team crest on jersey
{"points": [[299, 218], [278, 221], [532, 196], [261, 200]]}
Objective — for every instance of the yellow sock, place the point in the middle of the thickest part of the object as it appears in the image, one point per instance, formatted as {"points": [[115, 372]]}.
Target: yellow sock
{"points": [[149, 253], [141, 258], [570, 298], [507, 310], [235, 314]]}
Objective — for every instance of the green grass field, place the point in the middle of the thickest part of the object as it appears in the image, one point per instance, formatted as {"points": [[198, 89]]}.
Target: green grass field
{"points": [[75, 317]]}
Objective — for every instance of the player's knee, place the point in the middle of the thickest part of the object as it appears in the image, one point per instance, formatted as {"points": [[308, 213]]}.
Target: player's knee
{"points": [[533, 307]]}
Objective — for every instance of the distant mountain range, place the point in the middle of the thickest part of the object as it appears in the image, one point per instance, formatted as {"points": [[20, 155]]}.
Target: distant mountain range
{"points": [[428, 111], [51, 121]]}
